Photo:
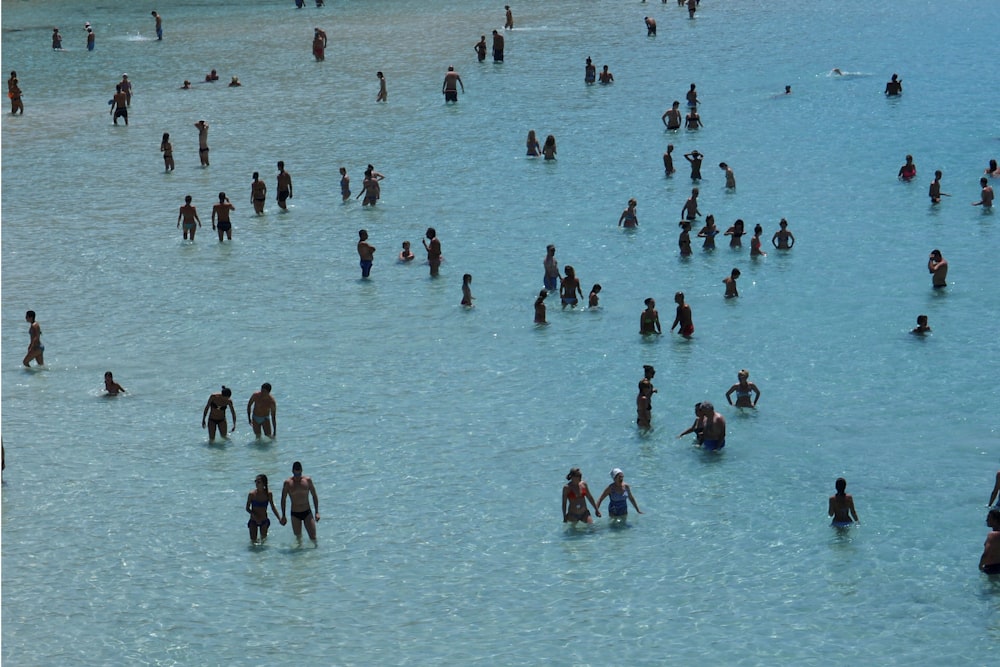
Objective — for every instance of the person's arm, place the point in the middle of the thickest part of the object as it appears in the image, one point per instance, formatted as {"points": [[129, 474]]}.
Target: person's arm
{"points": [[270, 496], [312, 490], [986, 550], [232, 409], [731, 389], [756, 390], [250, 414], [461, 84], [656, 325], [195, 214], [249, 495], [850, 506], [774, 240], [622, 217], [274, 419], [180, 214], [664, 118], [289, 186], [677, 319], [830, 510], [564, 503], [791, 238], [632, 498], [591, 499], [215, 213], [691, 429], [996, 491], [284, 494], [607, 491]]}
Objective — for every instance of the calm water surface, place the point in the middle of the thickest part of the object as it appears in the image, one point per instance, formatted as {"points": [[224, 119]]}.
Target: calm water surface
{"points": [[438, 437]]}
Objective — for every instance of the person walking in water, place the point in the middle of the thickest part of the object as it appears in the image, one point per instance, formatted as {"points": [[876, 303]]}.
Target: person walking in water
{"points": [[575, 495], [366, 252], [299, 488], [257, 502], [743, 389], [202, 142], [841, 506], [284, 186], [262, 412], [213, 417], [35, 347], [189, 215], [433, 250], [452, 81], [258, 193], [683, 316], [619, 495], [159, 26], [220, 217]]}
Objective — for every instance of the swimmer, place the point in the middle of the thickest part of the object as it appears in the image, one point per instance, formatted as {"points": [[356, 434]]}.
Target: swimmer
{"points": [[649, 319], [736, 234], [366, 252], [262, 412], [985, 195], [212, 76], [743, 388], [696, 427], [841, 506], [922, 326], [989, 562], [672, 117], [713, 428], [730, 283], [570, 287], [284, 186], [690, 210], [709, 232], [730, 176], [937, 266], [992, 170], [112, 387], [934, 192], [783, 239], [215, 413], [257, 501], [692, 97], [406, 255], [683, 317], [695, 158], [467, 297], [186, 85], [345, 185], [575, 495], [480, 48], [628, 219], [668, 160], [693, 121], [619, 494], [684, 240], [202, 141], [836, 72], [168, 152], [540, 307], [606, 76], [508, 23], [258, 193], [189, 215], [908, 171], [319, 44], [534, 148], [433, 250], [644, 399], [299, 488], [755, 248], [788, 90], [220, 217], [589, 72], [594, 301], [235, 82], [894, 86], [549, 149], [650, 27], [551, 277]]}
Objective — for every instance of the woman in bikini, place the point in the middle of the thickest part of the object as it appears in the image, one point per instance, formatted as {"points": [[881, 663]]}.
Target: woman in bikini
{"points": [[168, 152], [628, 218], [735, 233], [743, 388], [575, 495], [257, 502], [684, 240], [709, 232], [649, 320], [755, 250], [258, 193], [215, 412], [549, 149], [534, 148], [570, 288]]}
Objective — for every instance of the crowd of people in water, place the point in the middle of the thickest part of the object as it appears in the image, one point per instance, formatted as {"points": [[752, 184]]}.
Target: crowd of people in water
{"points": [[709, 426]]}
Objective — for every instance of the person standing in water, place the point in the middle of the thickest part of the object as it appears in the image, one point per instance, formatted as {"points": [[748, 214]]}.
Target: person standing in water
{"points": [[35, 347], [284, 186], [433, 250], [683, 316], [934, 192], [730, 176], [452, 81], [672, 117], [551, 276], [202, 142], [366, 252], [937, 266], [467, 297], [383, 94], [497, 47], [575, 495], [258, 193], [730, 283], [220, 217], [508, 23], [299, 488], [649, 320], [908, 171], [989, 562], [570, 288], [159, 26], [695, 158], [189, 215], [540, 307], [319, 44], [214, 417], [619, 494], [985, 195], [257, 502], [345, 185], [841, 506], [743, 388], [668, 160], [628, 219], [262, 412], [894, 86], [119, 106], [783, 239], [590, 72], [713, 428], [112, 387], [168, 152], [644, 399], [480, 48]]}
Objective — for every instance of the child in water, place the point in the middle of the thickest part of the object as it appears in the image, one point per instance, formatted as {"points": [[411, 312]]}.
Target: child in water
{"points": [[922, 327], [406, 255], [540, 307], [594, 301]]}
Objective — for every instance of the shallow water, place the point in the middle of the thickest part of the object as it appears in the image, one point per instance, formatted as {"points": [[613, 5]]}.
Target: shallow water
{"points": [[439, 437]]}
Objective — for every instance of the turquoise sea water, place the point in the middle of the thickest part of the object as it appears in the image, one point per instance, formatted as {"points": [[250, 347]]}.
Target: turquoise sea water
{"points": [[439, 438]]}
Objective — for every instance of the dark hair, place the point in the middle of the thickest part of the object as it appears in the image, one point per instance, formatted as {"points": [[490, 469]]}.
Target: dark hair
{"points": [[574, 472], [226, 391], [648, 300], [993, 514], [266, 386], [841, 485], [262, 478], [187, 199], [107, 374], [256, 175], [296, 466], [222, 197], [30, 314]]}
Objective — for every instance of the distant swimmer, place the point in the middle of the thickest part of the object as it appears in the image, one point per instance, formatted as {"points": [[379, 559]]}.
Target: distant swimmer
{"points": [[690, 209], [35, 347], [628, 218], [668, 160], [713, 428], [755, 245], [590, 71], [366, 252], [594, 300], [788, 90], [371, 190], [235, 82], [186, 85], [619, 494], [467, 297], [214, 416], [406, 255], [299, 488], [649, 319], [934, 192], [692, 8], [989, 562], [644, 399], [189, 216], [991, 170], [91, 39], [534, 148], [893, 87], [570, 288], [56, 39], [836, 71], [258, 193], [497, 47], [202, 142], [119, 106], [220, 217], [735, 234], [480, 48], [319, 44], [383, 94], [262, 412], [672, 117], [14, 93], [708, 232], [575, 495], [695, 427], [508, 23], [692, 121], [730, 176], [159, 26], [841, 506], [540, 307], [684, 240], [212, 76], [692, 96], [606, 76], [112, 387], [783, 239], [433, 250], [345, 185], [730, 283], [695, 159], [284, 185], [549, 149], [683, 317], [168, 152], [551, 277], [450, 86], [937, 266], [743, 389], [922, 326], [908, 171], [985, 195], [257, 502], [650, 27]]}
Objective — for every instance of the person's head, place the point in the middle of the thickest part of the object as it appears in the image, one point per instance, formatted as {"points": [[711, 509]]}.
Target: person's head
{"points": [[758, 230], [108, 375], [118, 88], [617, 475], [90, 31], [734, 274], [936, 255], [675, 104], [723, 166], [921, 320], [187, 199], [226, 391], [406, 245], [30, 316], [467, 278], [482, 37], [589, 61], [431, 233], [895, 77], [542, 294], [909, 159], [256, 175], [574, 473], [494, 32], [707, 408], [993, 163], [670, 148], [550, 249], [550, 140], [166, 136], [697, 408], [281, 165], [596, 289], [605, 68], [570, 271], [993, 518], [709, 220], [266, 388], [648, 371], [743, 374], [679, 298], [738, 224], [363, 234], [788, 89], [343, 171], [840, 485], [222, 197], [783, 223], [694, 192], [531, 135], [692, 86], [235, 81], [685, 225], [297, 469], [187, 84], [451, 68], [260, 481], [632, 203], [938, 174], [153, 13], [983, 181], [650, 302]]}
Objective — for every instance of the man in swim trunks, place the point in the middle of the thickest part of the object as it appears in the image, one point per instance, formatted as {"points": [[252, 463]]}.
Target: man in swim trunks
{"points": [[189, 215], [550, 280], [683, 316], [35, 347], [497, 47], [449, 88], [508, 23], [262, 413], [300, 487], [433, 250], [934, 192], [284, 185], [650, 27], [986, 195], [894, 86], [220, 213], [366, 252], [119, 106], [713, 427], [937, 265], [672, 116], [989, 562], [159, 26], [202, 141]]}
